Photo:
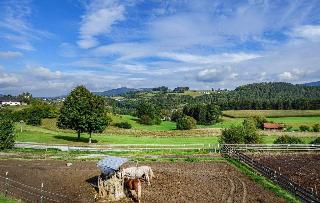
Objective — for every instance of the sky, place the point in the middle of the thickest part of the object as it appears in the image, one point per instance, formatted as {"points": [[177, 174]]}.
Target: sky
{"points": [[47, 47]]}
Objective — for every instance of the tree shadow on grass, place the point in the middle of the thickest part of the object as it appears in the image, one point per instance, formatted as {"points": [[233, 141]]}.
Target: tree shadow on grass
{"points": [[74, 139]]}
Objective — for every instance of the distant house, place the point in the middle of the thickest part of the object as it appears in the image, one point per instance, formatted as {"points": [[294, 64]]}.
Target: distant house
{"points": [[10, 102], [273, 126]]}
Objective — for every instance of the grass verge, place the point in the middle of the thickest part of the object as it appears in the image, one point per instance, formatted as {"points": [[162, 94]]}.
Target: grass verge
{"points": [[4, 199], [263, 181]]}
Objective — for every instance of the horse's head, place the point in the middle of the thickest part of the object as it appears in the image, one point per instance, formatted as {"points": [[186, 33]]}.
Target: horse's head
{"points": [[119, 174]]}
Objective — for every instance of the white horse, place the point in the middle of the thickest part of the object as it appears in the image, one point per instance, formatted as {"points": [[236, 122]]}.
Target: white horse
{"points": [[142, 172]]}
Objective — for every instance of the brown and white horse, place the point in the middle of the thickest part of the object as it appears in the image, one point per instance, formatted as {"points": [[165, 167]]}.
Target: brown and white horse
{"points": [[133, 184]]}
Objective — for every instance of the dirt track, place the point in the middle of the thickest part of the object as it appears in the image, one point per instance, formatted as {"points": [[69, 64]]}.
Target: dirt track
{"points": [[175, 182]]}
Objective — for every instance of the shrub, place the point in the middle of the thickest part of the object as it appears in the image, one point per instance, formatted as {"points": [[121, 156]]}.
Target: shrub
{"points": [[245, 134], [144, 119], [316, 141], [233, 135], [285, 139], [6, 134], [34, 120], [176, 115], [186, 123], [260, 120], [316, 127], [304, 128], [124, 125]]}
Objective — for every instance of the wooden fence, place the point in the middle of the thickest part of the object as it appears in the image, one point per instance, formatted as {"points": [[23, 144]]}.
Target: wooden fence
{"points": [[304, 194]]}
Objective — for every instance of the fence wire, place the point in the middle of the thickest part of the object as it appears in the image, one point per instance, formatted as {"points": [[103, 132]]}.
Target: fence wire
{"points": [[27, 193], [305, 194]]}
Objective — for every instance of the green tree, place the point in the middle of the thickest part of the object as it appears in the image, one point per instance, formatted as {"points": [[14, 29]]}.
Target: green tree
{"points": [[83, 112], [148, 114], [232, 135], [96, 119], [6, 134], [186, 123]]}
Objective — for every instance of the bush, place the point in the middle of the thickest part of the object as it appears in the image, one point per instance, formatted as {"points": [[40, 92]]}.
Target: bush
{"points": [[245, 134], [6, 134], [176, 115], [124, 125], [186, 123], [304, 128], [260, 120], [34, 120], [285, 139], [316, 127], [146, 120], [316, 141]]}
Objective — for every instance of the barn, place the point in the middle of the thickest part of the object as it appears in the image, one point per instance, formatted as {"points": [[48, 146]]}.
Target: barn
{"points": [[273, 126]]}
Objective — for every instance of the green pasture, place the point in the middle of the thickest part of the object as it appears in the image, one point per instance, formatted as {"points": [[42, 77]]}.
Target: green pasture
{"points": [[297, 121], [42, 135], [271, 113]]}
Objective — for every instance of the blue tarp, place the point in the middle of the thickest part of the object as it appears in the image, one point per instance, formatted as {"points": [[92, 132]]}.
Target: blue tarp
{"points": [[110, 164]]}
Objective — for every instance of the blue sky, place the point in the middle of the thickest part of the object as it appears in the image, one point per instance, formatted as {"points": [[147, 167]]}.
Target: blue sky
{"points": [[47, 47]]}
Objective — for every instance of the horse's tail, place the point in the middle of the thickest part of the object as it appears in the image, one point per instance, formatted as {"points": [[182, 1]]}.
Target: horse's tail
{"points": [[151, 173]]}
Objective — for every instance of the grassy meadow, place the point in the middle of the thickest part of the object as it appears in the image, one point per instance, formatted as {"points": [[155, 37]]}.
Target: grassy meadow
{"points": [[271, 113]]}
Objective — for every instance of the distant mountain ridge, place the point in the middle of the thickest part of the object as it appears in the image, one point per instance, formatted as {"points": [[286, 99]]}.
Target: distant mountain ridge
{"points": [[116, 92], [313, 84]]}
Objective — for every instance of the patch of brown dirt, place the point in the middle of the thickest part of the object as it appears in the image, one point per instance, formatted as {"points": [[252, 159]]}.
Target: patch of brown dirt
{"points": [[302, 168], [175, 182]]}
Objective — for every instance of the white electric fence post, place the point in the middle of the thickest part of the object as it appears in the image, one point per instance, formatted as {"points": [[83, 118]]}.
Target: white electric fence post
{"points": [[41, 193], [6, 184]]}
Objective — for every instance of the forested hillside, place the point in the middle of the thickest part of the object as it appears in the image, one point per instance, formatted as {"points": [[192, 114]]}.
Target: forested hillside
{"points": [[273, 95]]}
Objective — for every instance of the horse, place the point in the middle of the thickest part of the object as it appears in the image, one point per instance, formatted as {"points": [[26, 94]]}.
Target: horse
{"points": [[133, 184], [142, 172]]}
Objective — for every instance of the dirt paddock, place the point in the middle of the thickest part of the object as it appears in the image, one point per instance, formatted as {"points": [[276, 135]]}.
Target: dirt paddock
{"points": [[175, 182]]}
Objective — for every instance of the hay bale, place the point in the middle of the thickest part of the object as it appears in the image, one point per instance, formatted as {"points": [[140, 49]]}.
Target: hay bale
{"points": [[110, 189]]}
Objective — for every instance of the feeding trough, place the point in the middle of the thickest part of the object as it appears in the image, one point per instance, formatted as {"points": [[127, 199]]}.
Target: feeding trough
{"points": [[110, 183]]}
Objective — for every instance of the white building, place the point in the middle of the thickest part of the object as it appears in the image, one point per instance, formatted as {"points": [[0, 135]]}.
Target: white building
{"points": [[10, 102]]}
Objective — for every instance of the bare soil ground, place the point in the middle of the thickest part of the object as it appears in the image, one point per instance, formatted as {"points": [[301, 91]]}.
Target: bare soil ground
{"points": [[302, 168], [213, 181]]}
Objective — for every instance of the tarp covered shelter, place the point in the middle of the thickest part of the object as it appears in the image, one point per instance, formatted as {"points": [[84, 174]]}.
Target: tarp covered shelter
{"points": [[110, 164]]}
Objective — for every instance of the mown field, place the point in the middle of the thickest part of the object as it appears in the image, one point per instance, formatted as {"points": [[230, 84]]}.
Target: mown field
{"points": [[271, 113], [43, 135]]}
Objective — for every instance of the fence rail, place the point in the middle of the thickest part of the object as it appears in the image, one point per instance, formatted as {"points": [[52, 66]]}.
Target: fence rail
{"points": [[145, 147], [304, 194], [27, 193]]}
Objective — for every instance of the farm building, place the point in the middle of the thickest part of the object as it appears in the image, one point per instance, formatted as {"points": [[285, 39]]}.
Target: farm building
{"points": [[273, 126], [10, 101]]}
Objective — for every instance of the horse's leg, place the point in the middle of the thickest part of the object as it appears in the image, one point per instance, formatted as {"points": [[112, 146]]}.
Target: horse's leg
{"points": [[147, 179], [139, 191]]}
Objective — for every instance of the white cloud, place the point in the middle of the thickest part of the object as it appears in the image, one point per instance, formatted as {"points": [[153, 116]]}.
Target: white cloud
{"points": [[7, 80], [211, 59], [10, 54], [16, 26], [308, 32], [44, 73], [100, 16]]}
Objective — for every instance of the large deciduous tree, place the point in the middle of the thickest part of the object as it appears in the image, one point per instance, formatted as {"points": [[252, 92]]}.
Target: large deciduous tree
{"points": [[83, 112]]}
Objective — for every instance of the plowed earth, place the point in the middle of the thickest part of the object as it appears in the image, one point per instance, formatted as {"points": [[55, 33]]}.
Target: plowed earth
{"points": [[175, 182], [302, 168]]}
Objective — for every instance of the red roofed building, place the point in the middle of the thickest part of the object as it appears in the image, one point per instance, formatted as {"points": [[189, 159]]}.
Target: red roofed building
{"points": [[272, 126]]}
